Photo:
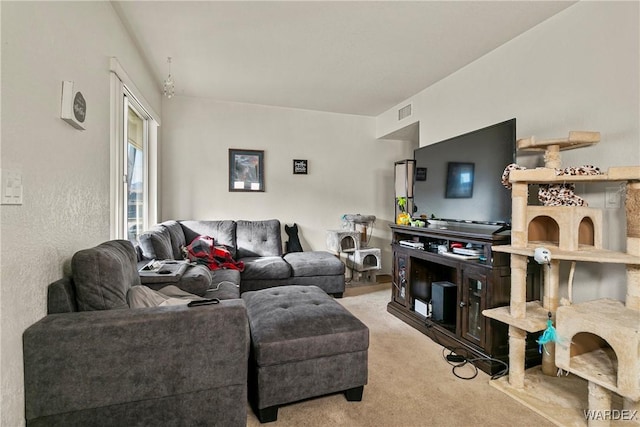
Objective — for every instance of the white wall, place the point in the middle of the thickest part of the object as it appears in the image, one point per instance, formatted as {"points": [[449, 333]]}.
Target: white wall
{"points": [[579, 70], [349, 170], [65, 172]]}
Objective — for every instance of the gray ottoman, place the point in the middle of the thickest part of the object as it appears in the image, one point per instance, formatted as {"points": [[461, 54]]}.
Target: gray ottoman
{"points": [[303, 344]]}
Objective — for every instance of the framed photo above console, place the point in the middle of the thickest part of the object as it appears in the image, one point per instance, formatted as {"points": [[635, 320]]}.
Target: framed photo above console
{"points": [[246, 170]]}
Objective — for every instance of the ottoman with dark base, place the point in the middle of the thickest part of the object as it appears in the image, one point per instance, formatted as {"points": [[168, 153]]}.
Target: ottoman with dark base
{"points": [[303, 344]]}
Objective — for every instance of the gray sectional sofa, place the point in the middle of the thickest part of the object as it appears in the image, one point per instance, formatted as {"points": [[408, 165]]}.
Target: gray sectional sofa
{"points": [[258, 244], [95, 360], [92, 361]]}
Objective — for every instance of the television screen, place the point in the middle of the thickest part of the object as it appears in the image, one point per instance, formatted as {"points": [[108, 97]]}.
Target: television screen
{"points": [[459, 179]]}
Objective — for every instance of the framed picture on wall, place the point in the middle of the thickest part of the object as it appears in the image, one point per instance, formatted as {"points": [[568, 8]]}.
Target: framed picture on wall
{"points": [[246, 170], [300, 167]]}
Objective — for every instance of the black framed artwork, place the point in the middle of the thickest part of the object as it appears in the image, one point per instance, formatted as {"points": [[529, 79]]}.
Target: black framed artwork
{"points": [[300, 167], [246, 170]]}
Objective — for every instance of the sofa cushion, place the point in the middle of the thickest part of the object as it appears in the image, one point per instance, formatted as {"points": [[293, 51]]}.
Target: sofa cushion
{"points": [[195, 280], [316, 263], [224, 275], [265, 267], [156, 243], [259, 238], [176, 234], [104, 274], [223, 232], [223, 290], [143, 296]]}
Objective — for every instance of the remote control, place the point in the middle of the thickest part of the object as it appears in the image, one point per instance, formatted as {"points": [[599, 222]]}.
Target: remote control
{"points": [[203, 302]]}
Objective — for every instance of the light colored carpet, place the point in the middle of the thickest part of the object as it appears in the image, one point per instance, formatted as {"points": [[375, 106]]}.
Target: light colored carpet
{"points": [[410, 383]]}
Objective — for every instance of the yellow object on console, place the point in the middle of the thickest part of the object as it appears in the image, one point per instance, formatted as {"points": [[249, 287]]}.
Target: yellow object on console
{"points": [[403, 218]]}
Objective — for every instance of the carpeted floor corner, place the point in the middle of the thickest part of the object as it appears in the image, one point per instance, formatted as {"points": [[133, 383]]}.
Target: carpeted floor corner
{"points": [[410, 383]]}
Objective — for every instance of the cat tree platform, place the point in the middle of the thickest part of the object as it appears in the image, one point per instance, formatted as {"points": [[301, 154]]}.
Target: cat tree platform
{"points": [[576, 139], [534, 320], [552, 147], [584, 253], [609, 354], [599, 340], [563, 400], [352, 247], [550, 176]]}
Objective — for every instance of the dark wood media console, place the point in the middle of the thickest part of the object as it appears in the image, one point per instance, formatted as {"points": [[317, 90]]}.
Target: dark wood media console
{"points": [[463, 286]]}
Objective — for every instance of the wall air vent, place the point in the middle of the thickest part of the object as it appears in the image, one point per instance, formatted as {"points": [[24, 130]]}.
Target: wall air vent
{"points": [[404, 112]]}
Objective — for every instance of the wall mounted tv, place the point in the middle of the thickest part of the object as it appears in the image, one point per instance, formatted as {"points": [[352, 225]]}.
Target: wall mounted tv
{"points": [[458, 179]]}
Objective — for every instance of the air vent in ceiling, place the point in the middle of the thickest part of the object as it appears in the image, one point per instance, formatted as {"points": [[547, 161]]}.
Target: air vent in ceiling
{"points": [[404, 112]]}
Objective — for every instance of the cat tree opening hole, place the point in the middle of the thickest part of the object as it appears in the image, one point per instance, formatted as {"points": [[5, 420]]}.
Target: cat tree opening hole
{"points": [[370, 261], [348, 244], [592, 353], [544, 229], [586, 232]]}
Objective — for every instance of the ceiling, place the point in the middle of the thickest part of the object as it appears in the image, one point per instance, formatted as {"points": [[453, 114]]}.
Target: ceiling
{"points": [[353, 57]]}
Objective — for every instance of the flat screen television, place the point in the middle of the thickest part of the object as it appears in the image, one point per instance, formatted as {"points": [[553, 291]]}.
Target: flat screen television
{"points": [[459, 179]]}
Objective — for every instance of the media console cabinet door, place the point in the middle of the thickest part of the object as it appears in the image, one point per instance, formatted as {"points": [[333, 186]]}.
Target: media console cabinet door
{"points": [[401, 268], [473, 301]]}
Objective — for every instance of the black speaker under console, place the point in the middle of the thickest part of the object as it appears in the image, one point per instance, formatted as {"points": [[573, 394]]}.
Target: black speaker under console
{"points": [[443, 302]]}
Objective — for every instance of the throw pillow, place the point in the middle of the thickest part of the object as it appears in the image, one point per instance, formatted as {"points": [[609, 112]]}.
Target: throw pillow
{"points": [[176, 235], [156, 243]]}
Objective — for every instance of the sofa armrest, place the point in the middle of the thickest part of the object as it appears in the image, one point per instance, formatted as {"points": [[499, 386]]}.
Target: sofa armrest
{"points": [[82, 360], [61, 297]]}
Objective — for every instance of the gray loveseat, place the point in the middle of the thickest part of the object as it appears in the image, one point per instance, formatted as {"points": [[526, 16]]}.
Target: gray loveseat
{"points": [[258, 244], [94, 361]]}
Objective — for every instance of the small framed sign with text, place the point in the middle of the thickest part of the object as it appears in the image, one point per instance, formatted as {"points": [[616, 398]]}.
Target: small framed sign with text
{"points": [[300, 167]]}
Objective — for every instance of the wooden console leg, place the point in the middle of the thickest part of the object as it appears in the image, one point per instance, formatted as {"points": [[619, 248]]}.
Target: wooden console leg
{"points": [[267, 415], [354, 394]]}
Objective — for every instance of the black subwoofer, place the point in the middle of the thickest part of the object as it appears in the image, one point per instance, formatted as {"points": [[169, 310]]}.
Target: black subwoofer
{"points": [[443, 302]]}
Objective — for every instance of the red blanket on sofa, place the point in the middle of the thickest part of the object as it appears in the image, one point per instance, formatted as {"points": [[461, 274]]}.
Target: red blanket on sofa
{"points": [[203, 250]]}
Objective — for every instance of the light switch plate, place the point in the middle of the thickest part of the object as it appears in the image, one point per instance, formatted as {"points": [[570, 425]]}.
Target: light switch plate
{"points": [[612, 198], [11, 187]]}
